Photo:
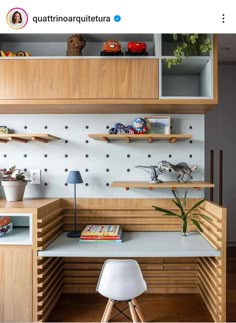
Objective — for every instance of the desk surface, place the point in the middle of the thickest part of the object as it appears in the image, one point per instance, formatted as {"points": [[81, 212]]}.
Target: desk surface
{"points": [[136, 244]]}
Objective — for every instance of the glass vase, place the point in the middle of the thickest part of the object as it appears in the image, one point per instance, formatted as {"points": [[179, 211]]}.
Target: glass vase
{"points": [[184, 228]]}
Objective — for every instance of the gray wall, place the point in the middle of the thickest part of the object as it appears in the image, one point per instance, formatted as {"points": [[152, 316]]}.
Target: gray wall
{"points": [[220, 132]]}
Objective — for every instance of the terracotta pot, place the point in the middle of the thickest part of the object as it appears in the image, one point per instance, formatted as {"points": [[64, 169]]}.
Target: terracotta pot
{"points": [[14, 190]]}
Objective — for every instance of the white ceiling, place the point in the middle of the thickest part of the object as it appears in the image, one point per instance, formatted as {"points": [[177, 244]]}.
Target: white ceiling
{"points": [[227, 48]]}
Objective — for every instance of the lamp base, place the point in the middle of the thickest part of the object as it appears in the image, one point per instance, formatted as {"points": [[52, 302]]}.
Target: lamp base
{"points": [[74, 234]]}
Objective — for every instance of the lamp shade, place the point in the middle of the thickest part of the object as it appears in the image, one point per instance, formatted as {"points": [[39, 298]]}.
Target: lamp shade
{"points": [[74, 177]]}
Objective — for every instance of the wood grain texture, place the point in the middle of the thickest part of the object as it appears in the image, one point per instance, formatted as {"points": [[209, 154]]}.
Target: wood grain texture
{"points": [[16, 284], [135, 137], [69, 79]]}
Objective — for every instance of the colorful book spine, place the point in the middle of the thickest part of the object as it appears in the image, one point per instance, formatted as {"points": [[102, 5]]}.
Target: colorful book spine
{"points": [[102, 239]]}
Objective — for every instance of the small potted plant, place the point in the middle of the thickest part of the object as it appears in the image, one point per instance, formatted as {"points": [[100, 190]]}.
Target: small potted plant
{"points": [[184, 214], [14, 183]]}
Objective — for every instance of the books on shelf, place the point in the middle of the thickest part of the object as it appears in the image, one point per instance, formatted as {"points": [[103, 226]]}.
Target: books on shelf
{"points": [[101, 230], [102, 233], [5, 229]]}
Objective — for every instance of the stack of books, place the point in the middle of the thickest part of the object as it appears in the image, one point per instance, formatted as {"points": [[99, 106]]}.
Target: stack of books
{"points": [[105, 233], [5, 225]]}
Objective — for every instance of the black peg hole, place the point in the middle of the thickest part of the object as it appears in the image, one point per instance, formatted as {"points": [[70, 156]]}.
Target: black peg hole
{"points": [[66, 170], [45, 127], [190, 156], [87, 156], [66, 156], [107, 184], [45, 169], [45, 184], [108, 127], [128, 156], [86, 141], [66, 127], [190, 127], [86, 184], [86, 169], [107, 170], [107, 156], [4, 155], [25, 169], [149, 155], [190, 141], [66, 184], [66, 141], [86, 127], [170, 156], [25, 155], [128, 170], [45, 155], [25, 127]]}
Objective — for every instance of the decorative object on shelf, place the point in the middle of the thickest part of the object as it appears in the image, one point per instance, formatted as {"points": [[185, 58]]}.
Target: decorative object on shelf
{"points": [[14, 183], [111, 48], [22, 53], [136, 49], [4, 129], [75, 44], [182, 169], [120, 128], [155, 171], [140, 125], [74, 177], [189, 45], [184, 214], [10, 54], [158, 124]]}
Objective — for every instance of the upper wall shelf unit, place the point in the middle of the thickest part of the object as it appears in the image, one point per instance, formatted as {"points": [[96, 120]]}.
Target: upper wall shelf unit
{"points": [[172, 185], [44, 138], [56, 83], [145, 137]]}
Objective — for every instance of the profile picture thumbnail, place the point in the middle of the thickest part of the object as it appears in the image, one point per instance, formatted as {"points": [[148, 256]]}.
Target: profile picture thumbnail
{"points": [[17, 18]]}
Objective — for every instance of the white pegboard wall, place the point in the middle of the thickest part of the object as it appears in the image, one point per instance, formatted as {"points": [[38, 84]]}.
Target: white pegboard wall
{"points": [[100, 163]]}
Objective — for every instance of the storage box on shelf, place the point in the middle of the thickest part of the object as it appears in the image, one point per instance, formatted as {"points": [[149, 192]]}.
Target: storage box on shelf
{"points": [[52, 82]]}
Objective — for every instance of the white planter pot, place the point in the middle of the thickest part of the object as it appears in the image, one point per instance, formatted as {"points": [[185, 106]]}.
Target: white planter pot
{"points": [[14, 190]]}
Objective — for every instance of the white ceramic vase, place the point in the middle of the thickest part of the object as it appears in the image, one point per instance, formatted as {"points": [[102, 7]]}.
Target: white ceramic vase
{"points": [[14, 190]]}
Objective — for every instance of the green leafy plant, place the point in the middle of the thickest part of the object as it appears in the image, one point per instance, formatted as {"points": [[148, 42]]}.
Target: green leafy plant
{"points": [[183, 213], [189, 45], [12, 174]]}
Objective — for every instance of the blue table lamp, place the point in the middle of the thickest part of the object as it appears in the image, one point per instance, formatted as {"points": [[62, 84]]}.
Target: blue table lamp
{"points": [[74, 177]]}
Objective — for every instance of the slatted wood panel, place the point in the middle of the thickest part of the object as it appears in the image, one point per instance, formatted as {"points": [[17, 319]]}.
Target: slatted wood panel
{"points": [[50, 282], [132, 214], [212, 271], [163, 275]]}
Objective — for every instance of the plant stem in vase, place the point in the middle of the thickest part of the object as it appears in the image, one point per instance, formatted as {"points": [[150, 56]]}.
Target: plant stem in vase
{"points": [[184, 229]]}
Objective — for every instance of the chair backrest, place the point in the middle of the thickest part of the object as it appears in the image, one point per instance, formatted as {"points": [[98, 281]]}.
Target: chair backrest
{"points": [[121, 279]]}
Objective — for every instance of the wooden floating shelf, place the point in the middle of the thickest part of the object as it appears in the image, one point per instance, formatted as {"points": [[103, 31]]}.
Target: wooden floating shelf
{"points": [[134, 137], [172, 185], [44, 138]]}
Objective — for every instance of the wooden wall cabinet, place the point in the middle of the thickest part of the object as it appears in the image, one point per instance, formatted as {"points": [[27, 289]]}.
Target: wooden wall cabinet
{"points": [[44, 79], [16, 284]]}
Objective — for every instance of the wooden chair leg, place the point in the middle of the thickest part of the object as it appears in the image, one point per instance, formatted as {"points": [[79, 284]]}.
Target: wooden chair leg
{"points": [[132, 311], [107, 313], [138, 310]]}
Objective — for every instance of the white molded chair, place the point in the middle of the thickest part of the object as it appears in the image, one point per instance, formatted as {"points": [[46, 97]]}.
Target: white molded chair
{"points": [[121, 280]]}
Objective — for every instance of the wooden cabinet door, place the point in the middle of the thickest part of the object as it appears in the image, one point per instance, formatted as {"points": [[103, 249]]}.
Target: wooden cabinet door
{"points": [[15, 284], [79, 79]]}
